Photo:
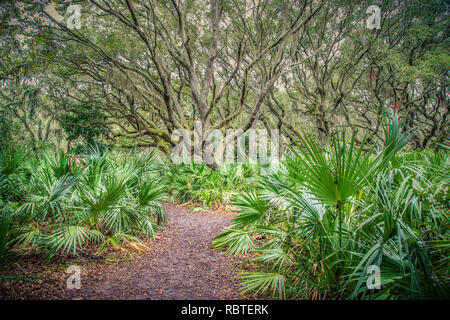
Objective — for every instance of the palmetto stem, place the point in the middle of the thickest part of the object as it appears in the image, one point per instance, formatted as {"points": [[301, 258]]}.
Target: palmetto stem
{"points": [[339, 210]]}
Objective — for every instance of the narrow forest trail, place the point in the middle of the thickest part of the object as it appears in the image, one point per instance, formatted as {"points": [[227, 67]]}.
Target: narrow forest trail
{"points": [[180, 264]]}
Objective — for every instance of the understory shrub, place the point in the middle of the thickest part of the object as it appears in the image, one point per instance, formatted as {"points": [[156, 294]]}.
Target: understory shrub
{"points": [[56, 204], [210, 187], [332, 214]]}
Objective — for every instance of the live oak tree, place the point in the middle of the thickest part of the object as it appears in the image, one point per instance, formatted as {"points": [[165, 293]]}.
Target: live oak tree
{"points": [[361, 75], [25, 54], [411, 72], [154, 66], [137, 70]]}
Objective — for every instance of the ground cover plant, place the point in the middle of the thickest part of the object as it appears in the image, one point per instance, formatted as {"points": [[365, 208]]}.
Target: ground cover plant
{"points": [[53, 204], [210, 187], [320, 225]]}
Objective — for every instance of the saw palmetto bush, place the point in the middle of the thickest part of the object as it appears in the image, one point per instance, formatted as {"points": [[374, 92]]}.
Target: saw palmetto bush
{"points": [[52, 205], [203, 185], [334, 213]]}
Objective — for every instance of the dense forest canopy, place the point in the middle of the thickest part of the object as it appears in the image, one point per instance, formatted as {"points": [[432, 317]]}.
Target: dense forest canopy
{"points": [[131, 72]]}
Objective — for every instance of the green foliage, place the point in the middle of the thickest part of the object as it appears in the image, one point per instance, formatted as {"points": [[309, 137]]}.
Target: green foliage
{"points": [[12, 163], [331, 212], [201, 184], [5, 221], [58, 205], [8, 128], [85, 122]]}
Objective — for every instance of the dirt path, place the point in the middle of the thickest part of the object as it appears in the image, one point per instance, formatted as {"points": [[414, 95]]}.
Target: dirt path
{"points": [[180, 265]]}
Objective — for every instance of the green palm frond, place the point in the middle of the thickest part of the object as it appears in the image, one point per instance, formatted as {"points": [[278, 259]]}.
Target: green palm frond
{"points": [[150, 191], [5, 226], [44, 200], [236, 241], [56, 163], [252, 209], [69, 239], [261, 282]]}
